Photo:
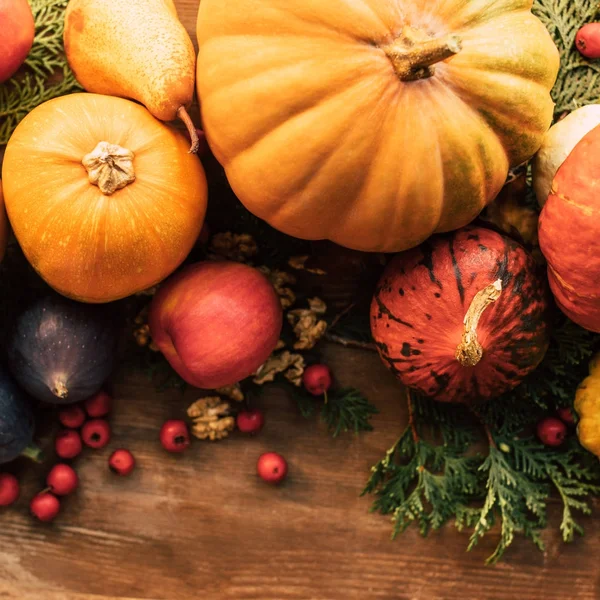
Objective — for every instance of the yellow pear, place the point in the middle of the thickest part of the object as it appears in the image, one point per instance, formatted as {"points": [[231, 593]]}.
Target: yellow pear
{"points": [[135, 49]]}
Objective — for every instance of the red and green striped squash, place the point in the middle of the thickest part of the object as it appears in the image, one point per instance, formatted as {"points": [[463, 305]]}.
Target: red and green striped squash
{"points": [[461, 318]]}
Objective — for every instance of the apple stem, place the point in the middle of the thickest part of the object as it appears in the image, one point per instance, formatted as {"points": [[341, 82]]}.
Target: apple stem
{"points": [[325, 396]]}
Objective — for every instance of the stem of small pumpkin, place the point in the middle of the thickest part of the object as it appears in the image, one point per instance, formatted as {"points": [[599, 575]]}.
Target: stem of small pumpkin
{"points": [[411, 417], [187, 121], [469, 351]]}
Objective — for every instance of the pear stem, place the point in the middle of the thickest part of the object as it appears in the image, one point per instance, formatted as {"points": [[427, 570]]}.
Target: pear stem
{"points": [[182, 113], [470, 351], [413, 58]]}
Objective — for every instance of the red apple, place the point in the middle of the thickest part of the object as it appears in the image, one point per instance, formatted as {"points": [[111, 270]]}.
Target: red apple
{"points": [[216, 322], [18, 29]]}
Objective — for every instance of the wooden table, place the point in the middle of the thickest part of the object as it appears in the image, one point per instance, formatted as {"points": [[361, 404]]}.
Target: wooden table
{"points": [[203, 526]]}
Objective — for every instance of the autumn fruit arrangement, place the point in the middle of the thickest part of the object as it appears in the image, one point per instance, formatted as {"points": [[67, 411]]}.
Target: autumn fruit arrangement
{"points": [[455, 155]]}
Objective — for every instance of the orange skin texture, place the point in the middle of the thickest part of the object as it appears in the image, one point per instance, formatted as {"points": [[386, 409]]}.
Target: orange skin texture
{"points": [[216, 322], [321, 137], [4, 228], [569, 235], [134, 49], [18, 30], [85, 244]]}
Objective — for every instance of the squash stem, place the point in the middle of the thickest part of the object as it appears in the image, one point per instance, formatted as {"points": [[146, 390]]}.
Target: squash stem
{"points": [[469, 351], [413, 59], [187, 121], [34, 453], [411, 417]]}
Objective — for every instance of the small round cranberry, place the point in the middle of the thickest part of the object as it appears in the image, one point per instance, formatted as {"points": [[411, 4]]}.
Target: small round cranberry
{"points": [[72, 416], [566, 414], [272, 467], [317, 379], [62, 480], [551, 431], [587, 40], [96, 433], [99, 405], [250, 421], [121, 462], [9, 489], [44, 506], [68, 443], [175, 436]]}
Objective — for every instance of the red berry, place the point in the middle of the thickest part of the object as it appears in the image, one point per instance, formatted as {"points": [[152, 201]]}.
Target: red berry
{"points": [[99, 405], [174, 436], [96, 433], [72, 416], [68, 443], [272, 467], [9, 489], [44, 506], [587, 40], [551, 431], [250, 421], [62, 480], [121, 462], [566, 414], [317, 379]]}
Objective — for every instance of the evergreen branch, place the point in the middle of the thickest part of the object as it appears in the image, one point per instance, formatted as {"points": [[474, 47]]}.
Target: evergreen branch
{"points": [[45, 73], [518, 500], [347, 410]]}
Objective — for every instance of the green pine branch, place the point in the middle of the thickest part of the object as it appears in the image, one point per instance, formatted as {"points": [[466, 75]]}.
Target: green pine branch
{"points": [[45, 73], [579, 78], [344, 409]]}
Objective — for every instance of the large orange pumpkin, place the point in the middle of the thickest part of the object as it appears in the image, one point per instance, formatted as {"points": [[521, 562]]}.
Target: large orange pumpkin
{"points": [[373, 123], [103, 198]]}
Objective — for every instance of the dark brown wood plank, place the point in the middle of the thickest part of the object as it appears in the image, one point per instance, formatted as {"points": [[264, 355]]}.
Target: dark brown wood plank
{"points": [[203, 524]]}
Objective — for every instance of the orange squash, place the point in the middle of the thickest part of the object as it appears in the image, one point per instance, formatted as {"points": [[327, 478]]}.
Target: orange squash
{"points": [[103, 198], [4, 229], [372, 123]]}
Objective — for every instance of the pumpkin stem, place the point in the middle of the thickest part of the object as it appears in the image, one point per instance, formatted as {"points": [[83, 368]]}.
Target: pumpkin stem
{"points": [[469, 351], [187, 121], [413, 54], [60, 389], [110, 167]]}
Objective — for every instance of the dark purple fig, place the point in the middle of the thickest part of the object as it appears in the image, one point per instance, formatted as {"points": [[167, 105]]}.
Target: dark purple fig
{"points": [[16, 419], [62, 351]]}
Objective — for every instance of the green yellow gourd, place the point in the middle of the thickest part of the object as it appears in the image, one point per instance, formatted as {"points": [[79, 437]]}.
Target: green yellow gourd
{"points": [[587, 406]]}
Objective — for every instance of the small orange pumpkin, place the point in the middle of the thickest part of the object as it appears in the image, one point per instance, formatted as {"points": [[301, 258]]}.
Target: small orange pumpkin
{"points": [[373, 123], [103, 198]]}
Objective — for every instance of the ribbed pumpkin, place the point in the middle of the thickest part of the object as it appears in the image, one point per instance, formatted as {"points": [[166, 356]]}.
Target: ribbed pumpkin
{"points": [[104, 199], [569, 233], [372, 123], [461, 318]]}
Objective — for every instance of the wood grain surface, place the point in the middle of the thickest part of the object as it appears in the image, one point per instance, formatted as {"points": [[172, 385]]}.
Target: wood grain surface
{"points": [[203, 526]]}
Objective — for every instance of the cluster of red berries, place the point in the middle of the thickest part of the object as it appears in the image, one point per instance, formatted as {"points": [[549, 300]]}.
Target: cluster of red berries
{"points": [[552, 431], [87, 425], [84, 424]]}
